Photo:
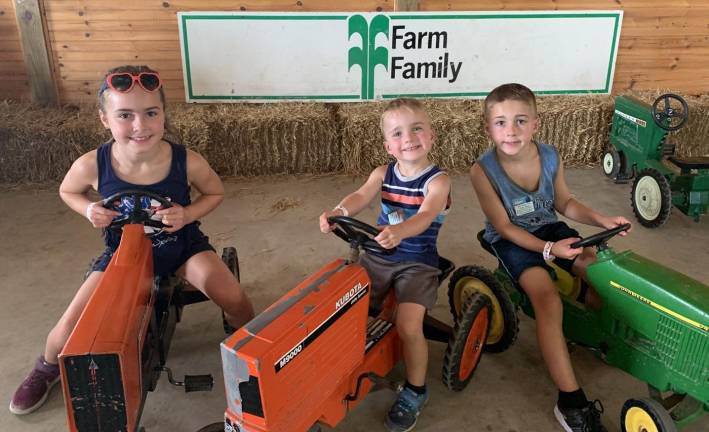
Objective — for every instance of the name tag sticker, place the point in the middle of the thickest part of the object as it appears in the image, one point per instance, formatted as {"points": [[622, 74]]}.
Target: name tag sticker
{"points": [[396, 217], [524, 208]]}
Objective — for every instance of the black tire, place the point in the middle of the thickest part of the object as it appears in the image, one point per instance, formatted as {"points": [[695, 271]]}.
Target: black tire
{"points": [[651, 198], [644, 414], [214, 427], [611, 163], [231, 259], [504, 325], [466, 343]]}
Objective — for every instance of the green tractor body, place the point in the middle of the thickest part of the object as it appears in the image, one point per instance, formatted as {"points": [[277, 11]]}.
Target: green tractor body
{"points": [[640, 150], [653, 323], [656, 321]]}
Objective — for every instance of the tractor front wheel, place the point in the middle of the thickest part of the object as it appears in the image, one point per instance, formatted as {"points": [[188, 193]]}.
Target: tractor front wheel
{"points": [[504, 323], [645, 415], [467, 342], [651, 198]]}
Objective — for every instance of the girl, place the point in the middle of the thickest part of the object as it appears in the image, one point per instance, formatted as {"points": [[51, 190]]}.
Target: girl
{"points": [[131, 104]]}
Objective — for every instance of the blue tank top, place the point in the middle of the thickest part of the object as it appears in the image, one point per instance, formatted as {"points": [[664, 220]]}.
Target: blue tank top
{"points": [[167, 247], [401, 198], [527, 210]]}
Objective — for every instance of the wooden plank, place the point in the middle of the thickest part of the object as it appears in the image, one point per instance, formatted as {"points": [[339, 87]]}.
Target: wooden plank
{"points": [[63, 37], [108, 46], [223, 5], [101, 26], [406, 5], [95, 72], [34, 49], [117, 56]]}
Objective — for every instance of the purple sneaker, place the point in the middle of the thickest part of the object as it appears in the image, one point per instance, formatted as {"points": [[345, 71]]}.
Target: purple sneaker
{"points": [[33, 391]]}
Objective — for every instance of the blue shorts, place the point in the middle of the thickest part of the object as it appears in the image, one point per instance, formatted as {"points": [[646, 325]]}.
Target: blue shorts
{"points": [[170, 250], [516, 260]]}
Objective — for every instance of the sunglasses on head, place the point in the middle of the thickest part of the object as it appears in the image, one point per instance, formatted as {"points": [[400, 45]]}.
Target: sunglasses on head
{"points": [[124, 81]]}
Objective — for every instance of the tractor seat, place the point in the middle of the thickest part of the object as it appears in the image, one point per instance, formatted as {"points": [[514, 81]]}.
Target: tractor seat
{"points": [[691, 162], [484, 243], [446, 266]]}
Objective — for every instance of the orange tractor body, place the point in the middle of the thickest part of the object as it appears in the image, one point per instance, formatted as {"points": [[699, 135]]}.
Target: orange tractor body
{"points": [[309, 353], [101, 362]]}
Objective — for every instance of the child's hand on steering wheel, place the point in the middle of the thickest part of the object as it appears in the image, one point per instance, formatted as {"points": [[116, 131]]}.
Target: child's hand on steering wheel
{"points": [[174, 217], [616, 221], [389, 237], [563, 249], [100, 216]]}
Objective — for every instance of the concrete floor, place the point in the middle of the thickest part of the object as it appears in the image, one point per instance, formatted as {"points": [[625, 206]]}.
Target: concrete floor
{"points": [[273, 224]]}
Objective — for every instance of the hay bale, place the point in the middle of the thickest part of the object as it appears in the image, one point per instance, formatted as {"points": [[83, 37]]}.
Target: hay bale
{"points": [[457, 125], [577, 126], [38, 145], [249, 140]]}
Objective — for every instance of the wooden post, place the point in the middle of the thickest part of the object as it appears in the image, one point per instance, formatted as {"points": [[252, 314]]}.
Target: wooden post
{"points": [[406, 5], [34, 50]]}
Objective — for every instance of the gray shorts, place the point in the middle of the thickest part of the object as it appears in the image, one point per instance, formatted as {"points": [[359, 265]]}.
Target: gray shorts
{"points": [[412, 282]]}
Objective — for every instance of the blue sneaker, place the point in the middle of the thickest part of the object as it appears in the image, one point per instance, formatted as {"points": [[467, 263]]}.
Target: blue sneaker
{"points": [[403, 414]]}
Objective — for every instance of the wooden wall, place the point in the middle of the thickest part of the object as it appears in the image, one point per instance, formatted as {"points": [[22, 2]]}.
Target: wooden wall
{"points": [[664, 43], [13, 74]]}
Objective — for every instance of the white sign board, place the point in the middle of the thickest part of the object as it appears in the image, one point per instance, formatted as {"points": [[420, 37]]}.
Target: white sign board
{"points": [[234, 57]]}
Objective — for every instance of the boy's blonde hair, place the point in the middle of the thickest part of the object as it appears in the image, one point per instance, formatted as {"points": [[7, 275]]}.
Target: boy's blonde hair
{"points": [[511, 91], [397, 104]]}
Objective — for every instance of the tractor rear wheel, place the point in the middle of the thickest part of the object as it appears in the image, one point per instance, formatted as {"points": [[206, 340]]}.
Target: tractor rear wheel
{"points": [[612, 164], [231, 259], [645, 415], [504, 323], [651, 198], [467, 342]]}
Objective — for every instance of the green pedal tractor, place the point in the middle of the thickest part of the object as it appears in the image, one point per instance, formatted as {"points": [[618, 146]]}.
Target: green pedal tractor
{"points": [[639, 149], [653, 324]]}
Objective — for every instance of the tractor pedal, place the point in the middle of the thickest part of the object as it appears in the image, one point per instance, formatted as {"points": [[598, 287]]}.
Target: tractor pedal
{"points": [[198, 383]]}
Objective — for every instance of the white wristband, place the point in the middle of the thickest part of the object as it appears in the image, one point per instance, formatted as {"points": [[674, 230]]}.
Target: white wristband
{"points": [[88, 211], [343, 209], [546, 254]]}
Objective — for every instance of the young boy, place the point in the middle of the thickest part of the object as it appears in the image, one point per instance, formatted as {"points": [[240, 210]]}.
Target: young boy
{"points": [[414, 201], [520, 186]]}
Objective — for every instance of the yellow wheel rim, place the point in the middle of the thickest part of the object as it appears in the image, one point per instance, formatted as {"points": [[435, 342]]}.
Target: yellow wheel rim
{"points": [[638, 420], [467, 286]]}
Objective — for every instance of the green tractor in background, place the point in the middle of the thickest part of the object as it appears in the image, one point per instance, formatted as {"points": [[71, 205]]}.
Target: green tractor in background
{"points": [[639, 149], [653, 324]]}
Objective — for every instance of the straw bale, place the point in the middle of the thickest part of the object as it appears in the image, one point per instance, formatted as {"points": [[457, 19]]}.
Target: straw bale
{"points": [[577, 126], [38, 145], [457, 125], [248, 140]]}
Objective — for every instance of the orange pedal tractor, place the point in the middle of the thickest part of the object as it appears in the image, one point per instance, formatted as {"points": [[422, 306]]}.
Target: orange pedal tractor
{"points": [[119, 346], [314, 354]]}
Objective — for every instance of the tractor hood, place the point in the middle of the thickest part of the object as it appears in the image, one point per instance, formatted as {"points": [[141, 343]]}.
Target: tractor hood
{"points": [[629, 276]]}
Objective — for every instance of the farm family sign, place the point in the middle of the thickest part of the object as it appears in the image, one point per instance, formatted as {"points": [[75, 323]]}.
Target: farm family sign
{"points": [[236, 57]]}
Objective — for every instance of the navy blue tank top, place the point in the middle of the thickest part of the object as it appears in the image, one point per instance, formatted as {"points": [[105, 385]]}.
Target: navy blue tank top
{"points": [[167, 247], [402, 198]]}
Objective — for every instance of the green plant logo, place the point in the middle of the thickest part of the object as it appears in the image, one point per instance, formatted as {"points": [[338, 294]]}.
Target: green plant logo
{"points": [[368, 56]]}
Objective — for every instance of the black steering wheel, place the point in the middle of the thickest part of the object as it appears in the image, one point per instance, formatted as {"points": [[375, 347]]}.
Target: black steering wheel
{"points": [[138, 215], [601, 238], [677, 115], [358, 234]]}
